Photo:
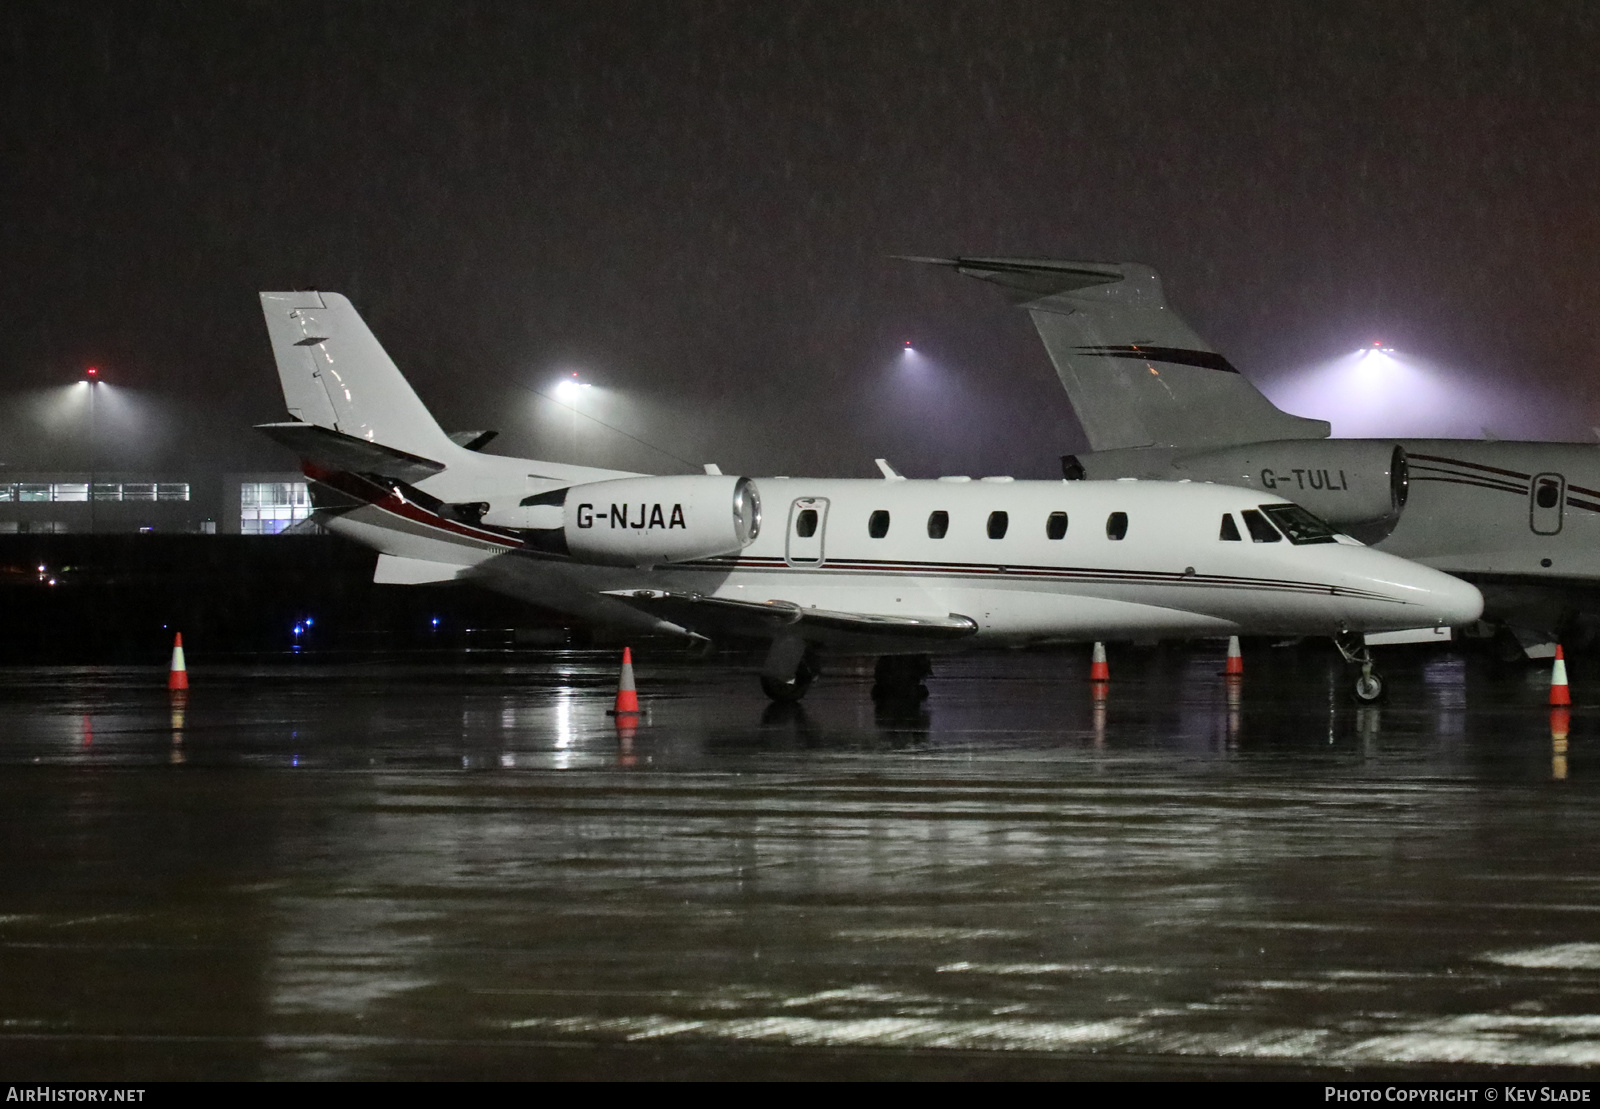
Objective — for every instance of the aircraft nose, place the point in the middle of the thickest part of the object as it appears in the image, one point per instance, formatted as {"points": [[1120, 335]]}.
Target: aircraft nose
{"points": [[1454, 602]]}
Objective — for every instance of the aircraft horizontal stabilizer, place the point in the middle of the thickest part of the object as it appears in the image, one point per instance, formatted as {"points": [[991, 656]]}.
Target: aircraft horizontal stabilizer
{"points": [[753, 618], [334, 450], [473, 440], [1136, 374], [1028, 279]]}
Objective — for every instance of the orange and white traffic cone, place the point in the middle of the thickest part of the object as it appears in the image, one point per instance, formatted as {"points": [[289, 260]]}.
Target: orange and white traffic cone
{"points": [[1234, 667], [1099, 671], [178, 675], [1559, 693], [627, 696]]}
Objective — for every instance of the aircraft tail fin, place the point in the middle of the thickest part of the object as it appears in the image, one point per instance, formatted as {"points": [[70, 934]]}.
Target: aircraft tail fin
{"points": [[1136, 375], [335, 374]]}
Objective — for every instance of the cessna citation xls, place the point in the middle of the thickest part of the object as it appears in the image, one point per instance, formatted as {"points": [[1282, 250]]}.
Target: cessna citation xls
{"points": [[895, 568], [1520, 520]]}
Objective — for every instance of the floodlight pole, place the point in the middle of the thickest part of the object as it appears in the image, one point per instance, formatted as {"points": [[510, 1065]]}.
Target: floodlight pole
{"points": [[92, 391]]}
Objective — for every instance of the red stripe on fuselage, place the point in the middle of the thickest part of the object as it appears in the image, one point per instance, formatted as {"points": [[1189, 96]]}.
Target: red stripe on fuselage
{"points": [[393, 501]]}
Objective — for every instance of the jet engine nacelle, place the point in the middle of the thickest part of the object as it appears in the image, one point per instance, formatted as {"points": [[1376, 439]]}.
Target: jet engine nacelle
{"points": [[642, 521], [1348, 482]]}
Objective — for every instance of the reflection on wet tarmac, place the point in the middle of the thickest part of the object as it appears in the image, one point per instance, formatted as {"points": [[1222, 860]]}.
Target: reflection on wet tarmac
{"points": [[473, 870], [1560, 725], [180, 705]]}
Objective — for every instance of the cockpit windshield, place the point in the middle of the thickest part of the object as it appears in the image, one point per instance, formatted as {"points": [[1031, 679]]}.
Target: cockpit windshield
{"points": [[1298, 524]]}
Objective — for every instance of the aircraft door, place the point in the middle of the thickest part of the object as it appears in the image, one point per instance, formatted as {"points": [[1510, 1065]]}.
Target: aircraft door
{"points": [[808, 518], [1547, 501]]}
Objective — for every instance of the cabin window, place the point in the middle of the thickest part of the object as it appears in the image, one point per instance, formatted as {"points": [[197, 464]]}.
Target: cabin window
{"points": [[1230, 530], [878, 524], [1547, 496], [1056, 526], [1299, 525], [998, 522], [805, 524], [938, 524], [1117, 525], [1260, 530]]}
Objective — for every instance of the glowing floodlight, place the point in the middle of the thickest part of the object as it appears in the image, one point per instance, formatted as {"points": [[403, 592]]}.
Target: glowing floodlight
{"points": [[570, 388]]}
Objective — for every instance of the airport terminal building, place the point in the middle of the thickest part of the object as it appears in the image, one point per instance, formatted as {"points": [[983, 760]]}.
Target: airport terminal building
{"points": [[81, 503]]}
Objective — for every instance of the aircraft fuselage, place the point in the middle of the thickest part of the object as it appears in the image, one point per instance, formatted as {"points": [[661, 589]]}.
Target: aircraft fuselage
{"points": [[985, 551]]}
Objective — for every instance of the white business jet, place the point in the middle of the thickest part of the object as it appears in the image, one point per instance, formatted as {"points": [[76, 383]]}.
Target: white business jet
{"points": [[897, 568]]}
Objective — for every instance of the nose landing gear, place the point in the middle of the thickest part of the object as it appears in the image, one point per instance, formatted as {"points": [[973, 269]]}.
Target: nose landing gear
{"points": [[1368, 688]]}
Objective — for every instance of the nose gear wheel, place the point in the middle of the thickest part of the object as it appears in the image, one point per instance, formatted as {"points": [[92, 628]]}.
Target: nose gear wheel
{"points": [[1368, 688]]}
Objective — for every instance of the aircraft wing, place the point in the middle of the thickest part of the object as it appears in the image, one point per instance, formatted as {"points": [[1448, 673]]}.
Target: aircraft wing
{"points": [[763, 620], [334, 450]]}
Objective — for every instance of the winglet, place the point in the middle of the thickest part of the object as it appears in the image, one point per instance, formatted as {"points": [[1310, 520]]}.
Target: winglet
{"points": [[888, 471], [713, 469]]}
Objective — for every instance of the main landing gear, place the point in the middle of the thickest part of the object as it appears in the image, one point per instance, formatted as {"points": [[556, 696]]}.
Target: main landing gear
{"points": [[1368, 688], [789, 670], [898, 678], [791, 666]]}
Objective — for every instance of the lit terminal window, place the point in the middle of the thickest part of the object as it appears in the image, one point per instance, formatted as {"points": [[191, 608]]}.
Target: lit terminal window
{"points": [[67, 492], [267, 507]]}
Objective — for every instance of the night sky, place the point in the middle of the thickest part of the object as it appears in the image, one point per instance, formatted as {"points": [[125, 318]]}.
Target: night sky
{"points": [[693, 205]]}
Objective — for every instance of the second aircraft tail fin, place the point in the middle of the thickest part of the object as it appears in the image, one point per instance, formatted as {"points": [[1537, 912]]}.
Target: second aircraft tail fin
{"points": [[1136, 375]]}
